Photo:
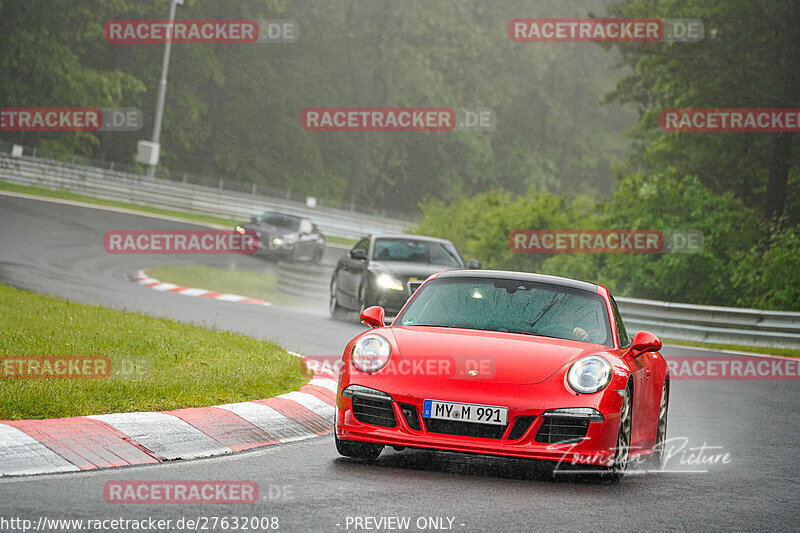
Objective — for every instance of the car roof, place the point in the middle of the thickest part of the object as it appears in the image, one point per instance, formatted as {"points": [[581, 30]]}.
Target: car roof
{"points": [[281, 213], [521, 276], [407, 237]]}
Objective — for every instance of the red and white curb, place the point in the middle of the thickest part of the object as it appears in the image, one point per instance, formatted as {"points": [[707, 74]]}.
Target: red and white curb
{"points": [[122, 439], [143, 279]]}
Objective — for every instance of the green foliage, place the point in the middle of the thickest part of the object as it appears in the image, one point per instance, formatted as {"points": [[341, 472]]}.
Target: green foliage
{"points": [[748, 59], [771, 279], [729, 270], [479, 225], [233, 110]]}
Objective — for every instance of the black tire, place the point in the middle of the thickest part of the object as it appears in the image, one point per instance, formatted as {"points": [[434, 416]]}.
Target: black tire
{"points": [[623, 448], [334, 308], [362, 297], [661, 432], [366, 451]]}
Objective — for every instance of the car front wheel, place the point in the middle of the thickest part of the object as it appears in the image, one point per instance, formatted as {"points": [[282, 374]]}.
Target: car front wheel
{"points": [[362, 298], [661, 433], [622, 453], [333, 304]]}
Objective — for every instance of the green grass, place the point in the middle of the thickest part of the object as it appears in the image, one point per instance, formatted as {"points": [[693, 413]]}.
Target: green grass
{"points": [[340, 240], [156, 364], [241, 282], [786, 352]]}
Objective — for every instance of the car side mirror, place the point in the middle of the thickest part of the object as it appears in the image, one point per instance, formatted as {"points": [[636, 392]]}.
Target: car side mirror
{"points": [[373, 316], [473, 264], [644, 342], [358, 254]]}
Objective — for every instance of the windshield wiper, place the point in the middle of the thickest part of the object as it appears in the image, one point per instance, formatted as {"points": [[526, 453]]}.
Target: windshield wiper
{"points": [[545, 310]]}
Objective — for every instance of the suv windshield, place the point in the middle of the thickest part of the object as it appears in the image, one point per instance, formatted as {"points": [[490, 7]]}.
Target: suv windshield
{"points": [[512, 306], [280, 221], [415, 251]]}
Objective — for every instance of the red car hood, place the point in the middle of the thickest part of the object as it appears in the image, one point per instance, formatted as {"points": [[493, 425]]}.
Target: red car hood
{"points": [[497, 356]]}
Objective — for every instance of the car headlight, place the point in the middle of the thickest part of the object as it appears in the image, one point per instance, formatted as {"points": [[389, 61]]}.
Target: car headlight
{"points": [[371, 353], [277, 241], [240, 230], [589, 374], [386, 281]]}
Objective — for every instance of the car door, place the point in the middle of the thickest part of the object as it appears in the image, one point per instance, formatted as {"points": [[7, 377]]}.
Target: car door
{"points": [[349, 274], [642, 375], [318, 239], [306, 242]]}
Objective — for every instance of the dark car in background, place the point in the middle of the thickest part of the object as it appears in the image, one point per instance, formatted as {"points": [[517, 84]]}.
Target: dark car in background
{"points": [[285, 236], [385, 270]]}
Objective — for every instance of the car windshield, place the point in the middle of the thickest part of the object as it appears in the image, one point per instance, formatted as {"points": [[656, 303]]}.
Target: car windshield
{"points": [[416, 251], [280, 221], [513, 306]]}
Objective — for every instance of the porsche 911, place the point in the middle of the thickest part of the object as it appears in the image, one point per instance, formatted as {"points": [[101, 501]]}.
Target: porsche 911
{"points": [[509, 364]]}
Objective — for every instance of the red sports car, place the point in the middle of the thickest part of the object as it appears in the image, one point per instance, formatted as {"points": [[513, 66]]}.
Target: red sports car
{"points": [[505, 363]]}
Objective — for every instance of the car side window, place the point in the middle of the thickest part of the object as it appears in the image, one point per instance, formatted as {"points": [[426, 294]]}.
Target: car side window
{"points": [[624, 340], [363, 244]]}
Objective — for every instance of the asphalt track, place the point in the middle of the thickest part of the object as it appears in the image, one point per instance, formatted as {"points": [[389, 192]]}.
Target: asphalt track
{"points": [[57, 249]]}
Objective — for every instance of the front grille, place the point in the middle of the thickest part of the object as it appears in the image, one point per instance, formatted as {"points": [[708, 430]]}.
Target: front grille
{"points": [[413, 286], [561, 429], [521, 425], [410, 415], [375, 412], [464, 429]]}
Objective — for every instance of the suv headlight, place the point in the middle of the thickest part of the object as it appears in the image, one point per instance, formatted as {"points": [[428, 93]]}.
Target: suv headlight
{"points": [[387, 281], [371, 353], [589, 374]]}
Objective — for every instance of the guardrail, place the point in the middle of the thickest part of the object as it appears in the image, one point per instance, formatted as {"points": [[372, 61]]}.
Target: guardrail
{"points": [[126, 187], [722, 325]]}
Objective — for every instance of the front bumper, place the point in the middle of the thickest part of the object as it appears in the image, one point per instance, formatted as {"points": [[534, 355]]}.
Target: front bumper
{"points": [[525, 435]]}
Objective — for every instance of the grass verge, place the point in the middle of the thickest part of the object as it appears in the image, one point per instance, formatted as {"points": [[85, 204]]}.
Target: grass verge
{"points": [[786, 352], [157, 364], [241, 282]]}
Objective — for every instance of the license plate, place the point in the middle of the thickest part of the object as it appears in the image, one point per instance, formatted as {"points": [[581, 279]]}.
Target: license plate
{"points": [[465, 412]]}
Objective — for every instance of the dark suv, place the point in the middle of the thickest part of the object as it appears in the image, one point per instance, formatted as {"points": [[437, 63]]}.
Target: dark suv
{"points": [[385, 270], [285, 236]]}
